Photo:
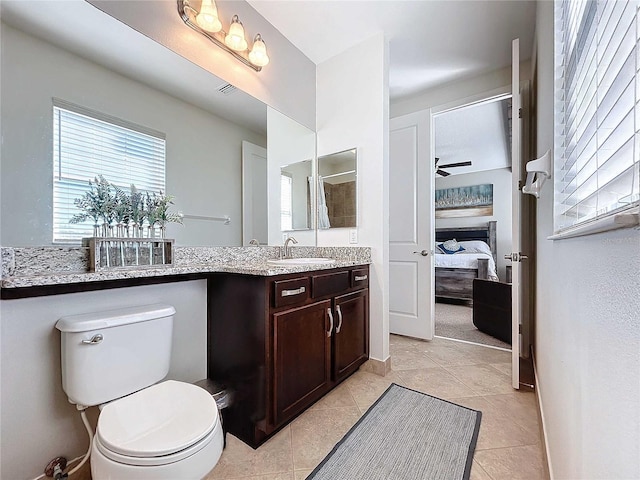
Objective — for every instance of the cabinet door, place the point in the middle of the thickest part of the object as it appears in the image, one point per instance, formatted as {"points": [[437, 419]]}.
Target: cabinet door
{"points": [[302, 356], [351, 338]]}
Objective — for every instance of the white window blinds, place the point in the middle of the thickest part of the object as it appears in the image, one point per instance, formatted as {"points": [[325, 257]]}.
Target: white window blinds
{"points": [[286, 202], [597, 114], [87, 144]]}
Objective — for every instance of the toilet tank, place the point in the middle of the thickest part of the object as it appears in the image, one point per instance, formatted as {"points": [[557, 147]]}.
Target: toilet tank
{"points": [[110, 354]]}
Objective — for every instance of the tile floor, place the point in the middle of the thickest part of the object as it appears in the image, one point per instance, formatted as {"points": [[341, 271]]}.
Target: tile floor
{"points": [[509, 445]]}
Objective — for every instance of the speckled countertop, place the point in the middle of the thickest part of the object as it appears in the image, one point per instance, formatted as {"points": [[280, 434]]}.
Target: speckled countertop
{"points": [[41, 266]]}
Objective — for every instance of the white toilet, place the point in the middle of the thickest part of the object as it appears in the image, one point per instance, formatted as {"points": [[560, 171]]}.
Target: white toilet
{"points": [[170, 430]]}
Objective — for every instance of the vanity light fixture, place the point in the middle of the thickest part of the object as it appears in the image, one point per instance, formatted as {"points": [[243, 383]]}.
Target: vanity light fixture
{"points": [[206, 22], [207, 18], [235, 38]]}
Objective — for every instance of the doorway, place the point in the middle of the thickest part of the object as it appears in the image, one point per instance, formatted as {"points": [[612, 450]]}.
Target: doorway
{"points": [[473, 212]]}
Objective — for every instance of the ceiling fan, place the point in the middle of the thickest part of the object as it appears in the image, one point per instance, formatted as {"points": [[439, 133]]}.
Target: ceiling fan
{"points": [[439, 168]]}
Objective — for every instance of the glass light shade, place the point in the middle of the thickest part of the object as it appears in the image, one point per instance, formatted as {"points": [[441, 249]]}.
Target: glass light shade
{"points": [[235, 38], [208, 19], [258, 55]]}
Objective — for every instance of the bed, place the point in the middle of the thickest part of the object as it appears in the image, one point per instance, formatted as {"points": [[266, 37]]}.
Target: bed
{"points": [[455, 272]]}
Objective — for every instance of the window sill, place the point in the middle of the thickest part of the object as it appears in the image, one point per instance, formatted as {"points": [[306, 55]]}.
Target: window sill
{"points": [[629, 218]]}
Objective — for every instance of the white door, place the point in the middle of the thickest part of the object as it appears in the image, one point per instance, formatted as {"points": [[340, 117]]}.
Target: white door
{"points": [[254, 194], [411, 292], [516, 247]]}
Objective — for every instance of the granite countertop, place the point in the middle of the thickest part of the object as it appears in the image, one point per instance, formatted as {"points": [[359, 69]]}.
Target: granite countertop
{"points": [[44, 266]]}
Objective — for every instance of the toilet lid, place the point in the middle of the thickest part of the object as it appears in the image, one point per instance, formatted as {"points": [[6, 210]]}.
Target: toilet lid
{"points": [[159, 420]]}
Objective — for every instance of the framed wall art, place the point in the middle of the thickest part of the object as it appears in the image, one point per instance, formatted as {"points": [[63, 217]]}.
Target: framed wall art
{"points": [[473, 201]]}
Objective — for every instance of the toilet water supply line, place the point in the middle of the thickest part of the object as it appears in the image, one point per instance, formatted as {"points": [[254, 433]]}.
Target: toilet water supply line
{"points": [[83, 414]]}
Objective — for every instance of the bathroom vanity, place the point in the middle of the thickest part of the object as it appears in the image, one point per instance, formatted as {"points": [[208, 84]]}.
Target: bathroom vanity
{"points": [[282, 342], [280, 335]]}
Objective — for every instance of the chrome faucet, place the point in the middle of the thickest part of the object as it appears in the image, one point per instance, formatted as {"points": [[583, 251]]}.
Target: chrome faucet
{"points": [[287, 248]]}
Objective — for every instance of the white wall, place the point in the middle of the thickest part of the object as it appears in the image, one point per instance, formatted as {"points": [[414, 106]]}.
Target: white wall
{"points": [[38, 423], [587, 340], [203, 150], [288, 142], [501, 180], [287, 83], [352, 108], [455, 91]]}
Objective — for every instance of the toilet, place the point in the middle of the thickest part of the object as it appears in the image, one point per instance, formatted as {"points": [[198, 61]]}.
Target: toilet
{"points": [[146, 430]]}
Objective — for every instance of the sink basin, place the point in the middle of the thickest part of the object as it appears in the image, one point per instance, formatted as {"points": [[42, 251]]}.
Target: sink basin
{"points": [[301, 261]]}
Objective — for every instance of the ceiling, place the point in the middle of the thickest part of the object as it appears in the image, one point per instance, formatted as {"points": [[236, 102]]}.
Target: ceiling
{"points": [[431, 42], [478, 133]]}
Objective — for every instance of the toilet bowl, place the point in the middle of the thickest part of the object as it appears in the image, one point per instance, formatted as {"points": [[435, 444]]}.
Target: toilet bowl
{"points": [[170, 430], [146, 430]]}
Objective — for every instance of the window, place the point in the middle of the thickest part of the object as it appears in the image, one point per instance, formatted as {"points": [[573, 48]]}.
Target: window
{"points": [[87, 144], [286, 202], [597, 114]]}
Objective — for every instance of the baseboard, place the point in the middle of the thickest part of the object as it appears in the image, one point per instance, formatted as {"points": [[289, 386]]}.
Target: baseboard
{"points": [[376, 366], [541, 417]]}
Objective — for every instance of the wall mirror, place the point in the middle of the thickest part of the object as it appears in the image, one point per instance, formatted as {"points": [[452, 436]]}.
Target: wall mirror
{"points": [[206, 122], [337, 190]]}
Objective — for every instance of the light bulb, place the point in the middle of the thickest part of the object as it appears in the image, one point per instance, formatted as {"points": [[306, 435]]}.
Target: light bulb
{"points": [[208, 19], [258, 55], [235, 38]]}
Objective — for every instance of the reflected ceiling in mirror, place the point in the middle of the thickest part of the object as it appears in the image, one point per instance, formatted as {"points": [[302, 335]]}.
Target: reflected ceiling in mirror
{"points": [[337, 190]]}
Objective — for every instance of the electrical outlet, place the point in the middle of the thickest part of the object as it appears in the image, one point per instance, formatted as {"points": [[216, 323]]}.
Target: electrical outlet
{"points": [[353, 235], [285, 236]]}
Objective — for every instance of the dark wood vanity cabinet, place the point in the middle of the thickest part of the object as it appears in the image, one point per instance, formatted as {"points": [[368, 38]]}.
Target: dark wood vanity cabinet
{"points": [[283, 342], [302, 358], [351, 338]]}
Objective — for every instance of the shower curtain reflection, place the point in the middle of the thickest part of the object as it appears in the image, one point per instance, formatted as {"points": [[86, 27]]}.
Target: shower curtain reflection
{"points": [[323, 211]]}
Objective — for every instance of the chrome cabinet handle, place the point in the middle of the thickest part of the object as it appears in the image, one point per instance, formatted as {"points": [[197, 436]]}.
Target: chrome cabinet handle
{"points": [[424, 253], [297, 291], [339, 319], [96, 339], [359, 278], [331, 321]]}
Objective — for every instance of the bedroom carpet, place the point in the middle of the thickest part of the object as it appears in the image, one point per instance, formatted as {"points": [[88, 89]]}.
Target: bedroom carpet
{"points": [[405, 435], [456, 321]]}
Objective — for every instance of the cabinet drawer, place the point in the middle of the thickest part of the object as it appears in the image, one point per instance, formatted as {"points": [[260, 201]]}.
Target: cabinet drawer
{"points": [[329, 283], [290, 292], [360, 277]]}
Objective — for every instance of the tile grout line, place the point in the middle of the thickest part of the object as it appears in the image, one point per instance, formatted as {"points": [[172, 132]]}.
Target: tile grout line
{"points": [[293, 465], [508, 446], [481, 467]]}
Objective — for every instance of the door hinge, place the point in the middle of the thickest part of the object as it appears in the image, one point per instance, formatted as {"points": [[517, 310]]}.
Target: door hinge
{"points": [[520, 185], [520, 112]]}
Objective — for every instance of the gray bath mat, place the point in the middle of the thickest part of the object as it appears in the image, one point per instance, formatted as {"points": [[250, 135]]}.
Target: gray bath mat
{"points": [[405, 435]]}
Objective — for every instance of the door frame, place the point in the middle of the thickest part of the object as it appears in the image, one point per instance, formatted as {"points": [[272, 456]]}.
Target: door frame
{"points": [[494, 95]]}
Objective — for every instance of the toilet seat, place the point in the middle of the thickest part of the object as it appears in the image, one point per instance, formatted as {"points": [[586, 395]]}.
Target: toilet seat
{"points": [[159, 460], [162, 424]]}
